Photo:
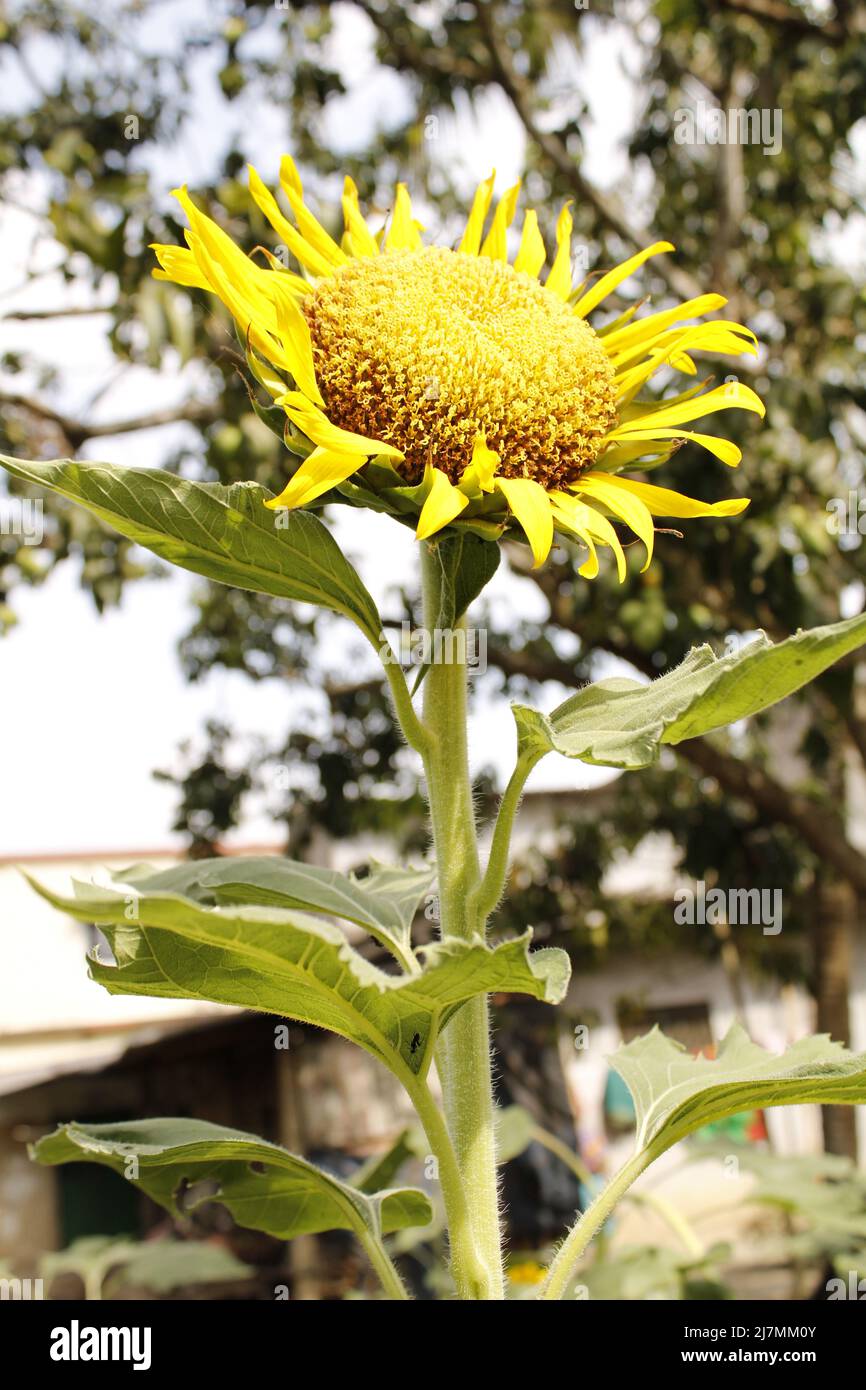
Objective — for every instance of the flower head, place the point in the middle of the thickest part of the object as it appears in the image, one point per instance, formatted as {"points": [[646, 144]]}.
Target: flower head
{"points": [[454, 388]]}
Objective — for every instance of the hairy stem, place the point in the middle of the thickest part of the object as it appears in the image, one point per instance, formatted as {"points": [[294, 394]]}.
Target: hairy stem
{"points": [[383, 1265], [578, 1238], [463, 1054], [470, 1275], [493, 884], [412, 729]]}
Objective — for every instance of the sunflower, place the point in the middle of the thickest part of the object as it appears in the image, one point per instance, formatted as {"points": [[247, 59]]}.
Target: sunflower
{"points": [[456, 388]]}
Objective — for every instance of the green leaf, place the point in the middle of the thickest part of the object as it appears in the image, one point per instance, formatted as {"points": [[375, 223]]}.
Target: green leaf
{"points": [[91, 1259], [225, 533], [824, 1190], [299, 967], [265, 1187], [514, 1132], [384, 903], [165, 1265], [381, 1170], [106, 1263], [636, 1273], [675, 1093], [468, 564], [473, 563], [622, 723]]}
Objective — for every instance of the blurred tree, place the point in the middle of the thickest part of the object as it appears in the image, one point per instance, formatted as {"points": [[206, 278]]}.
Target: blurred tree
{"points": [[773, 231]]}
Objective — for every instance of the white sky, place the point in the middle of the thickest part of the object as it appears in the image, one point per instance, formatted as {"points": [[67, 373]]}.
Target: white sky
{"points": [[92, 705]]}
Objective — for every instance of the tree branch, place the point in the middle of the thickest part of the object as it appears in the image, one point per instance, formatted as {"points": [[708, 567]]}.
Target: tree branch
{"points": [[77, 432], [74, 311], [519, 93], [777, 12]]}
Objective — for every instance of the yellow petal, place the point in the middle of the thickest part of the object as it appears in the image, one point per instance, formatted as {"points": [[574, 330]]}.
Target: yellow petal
{"points": [[290, 179], [307, 255], [663, 501], [403, 234], [210, 244], [315, 424], [590, 567], [479, 475], [628, 383], [732, 396], [178, 264], [237, 282], [358, 234], [299, 287], [260, 318], [531, 253], [719, 336], [606, 330], [495, 244], [274, 385], [623, 504], [294, 336], [444, 502], [681, 362], [319, 472], [471, 239], [589, 525], [603, 287], [559, 279], [531, 505], [649, 327], [311, 228], [723, 449]]}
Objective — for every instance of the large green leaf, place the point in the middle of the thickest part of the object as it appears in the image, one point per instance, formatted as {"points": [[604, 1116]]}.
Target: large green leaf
{"points": [[638, 1273], [265, 1187], [224, 533], [471, 563], [106, 1263], [384, 903], [299, 967], [675, 1093], [165, 1265], [622, 723]]}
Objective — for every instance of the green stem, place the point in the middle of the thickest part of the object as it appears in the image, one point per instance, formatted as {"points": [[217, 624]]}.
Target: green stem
{"points": [[463, 1054], [413, 730], [493, 884], [578, 1238], [674, 1218], [383, 1265], [572, 1160], [470, 1275]]}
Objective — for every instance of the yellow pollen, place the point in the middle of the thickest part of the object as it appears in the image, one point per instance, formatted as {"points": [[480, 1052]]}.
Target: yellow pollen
{"points": [[425, 349]]}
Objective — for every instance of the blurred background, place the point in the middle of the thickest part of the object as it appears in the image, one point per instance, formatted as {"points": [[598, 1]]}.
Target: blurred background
{"points": [[150, 715]]}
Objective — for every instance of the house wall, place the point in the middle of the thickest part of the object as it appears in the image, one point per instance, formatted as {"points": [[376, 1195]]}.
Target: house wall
{"points": [[28, 1212], [775, 1016]]}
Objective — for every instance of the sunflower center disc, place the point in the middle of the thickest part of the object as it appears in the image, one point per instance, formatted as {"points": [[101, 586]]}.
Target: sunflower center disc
{"points": [[424, 349]]}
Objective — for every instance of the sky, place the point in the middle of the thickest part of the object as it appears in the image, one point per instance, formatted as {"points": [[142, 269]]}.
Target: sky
{"points": [[92, 705]]}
